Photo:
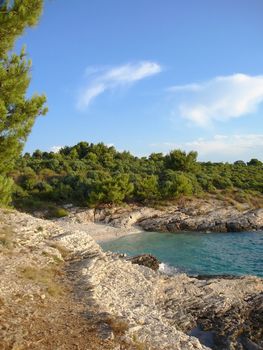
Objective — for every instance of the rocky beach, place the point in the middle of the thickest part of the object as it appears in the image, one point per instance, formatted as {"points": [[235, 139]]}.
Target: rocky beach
{"points": [[156, 311], [195, 215]]}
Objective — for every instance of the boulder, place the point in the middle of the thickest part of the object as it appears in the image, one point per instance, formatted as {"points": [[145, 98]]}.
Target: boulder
{"points": [[147, 260]]}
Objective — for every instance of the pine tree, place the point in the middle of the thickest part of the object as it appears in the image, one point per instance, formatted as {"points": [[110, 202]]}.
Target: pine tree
{"points": [[17, 111]]}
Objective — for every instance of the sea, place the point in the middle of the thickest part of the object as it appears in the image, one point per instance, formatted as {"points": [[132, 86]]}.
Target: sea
{"points": [[197, 253]]}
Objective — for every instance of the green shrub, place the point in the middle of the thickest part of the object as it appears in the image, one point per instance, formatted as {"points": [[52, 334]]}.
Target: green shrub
{"points": [[58, 212], [93, 175]]}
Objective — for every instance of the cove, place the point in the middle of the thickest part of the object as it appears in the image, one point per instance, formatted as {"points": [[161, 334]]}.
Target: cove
{"points": [[198, 253]]}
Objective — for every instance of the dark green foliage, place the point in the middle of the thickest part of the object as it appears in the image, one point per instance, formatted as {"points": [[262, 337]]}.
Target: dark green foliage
{"points": [[255, 162], [6, 187], [181, 161], [17, 111], [176, 183], [146, 187], [92, 175]]}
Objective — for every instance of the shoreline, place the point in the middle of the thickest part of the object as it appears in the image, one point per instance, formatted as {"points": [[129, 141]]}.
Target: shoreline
{"points": [[158, 311], [165, 311], [104, 232], [108, 225], [100, 232], [197, 215]]}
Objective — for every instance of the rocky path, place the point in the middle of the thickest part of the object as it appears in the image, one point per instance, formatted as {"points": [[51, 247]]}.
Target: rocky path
{"points": [[147, 309], [39, 309], [130, 292]]}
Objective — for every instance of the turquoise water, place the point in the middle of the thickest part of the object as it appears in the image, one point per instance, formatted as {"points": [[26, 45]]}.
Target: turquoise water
{"points": [[198, 253]]}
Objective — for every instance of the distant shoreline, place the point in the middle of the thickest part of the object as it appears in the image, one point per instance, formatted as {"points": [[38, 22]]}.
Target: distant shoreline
{"points": [[105, 224], [100, 232]]}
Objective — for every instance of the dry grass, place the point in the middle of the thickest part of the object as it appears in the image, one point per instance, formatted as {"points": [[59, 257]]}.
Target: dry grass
{"points": [[138, 345], [55, 258], [40, 307], [46, 277], [118, 326], [256, 201], [6, 238], [241, 200], [48, 324], [49, 318]]}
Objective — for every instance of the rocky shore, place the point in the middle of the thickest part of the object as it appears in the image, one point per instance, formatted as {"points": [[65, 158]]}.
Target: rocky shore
{"points": [[195, 215], [159, 311]]}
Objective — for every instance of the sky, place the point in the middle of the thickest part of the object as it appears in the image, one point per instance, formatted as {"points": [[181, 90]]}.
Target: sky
{"points": [[150, 76]]}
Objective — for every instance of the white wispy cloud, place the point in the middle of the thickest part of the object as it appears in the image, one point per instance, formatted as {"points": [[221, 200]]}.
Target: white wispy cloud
{"points": [[219, 99], [109, 79], [55, 149], [221, 147]]}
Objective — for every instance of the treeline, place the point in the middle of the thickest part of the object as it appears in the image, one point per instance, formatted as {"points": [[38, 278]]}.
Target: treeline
{"points": [[94, 174]]}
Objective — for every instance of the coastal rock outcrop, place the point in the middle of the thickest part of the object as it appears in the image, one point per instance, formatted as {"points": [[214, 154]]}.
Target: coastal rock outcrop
{"points": [[167, 312], [147, 260], [220, 220], [161, 312], [223, 313], [194, 215]]}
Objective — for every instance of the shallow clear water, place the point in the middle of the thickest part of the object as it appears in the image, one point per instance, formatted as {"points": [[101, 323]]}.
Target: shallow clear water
{"points": [[198, 253]]}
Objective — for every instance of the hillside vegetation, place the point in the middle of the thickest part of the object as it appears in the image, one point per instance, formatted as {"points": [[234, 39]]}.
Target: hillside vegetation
{"points": [[94, 174], [18, 111]]}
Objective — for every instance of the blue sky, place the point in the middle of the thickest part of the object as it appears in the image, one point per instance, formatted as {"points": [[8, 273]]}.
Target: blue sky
{"points": [[149, 76]]}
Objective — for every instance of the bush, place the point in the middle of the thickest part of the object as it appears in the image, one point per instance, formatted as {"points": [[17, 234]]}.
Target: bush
{"points": [[58, 213], [92, 175]]}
